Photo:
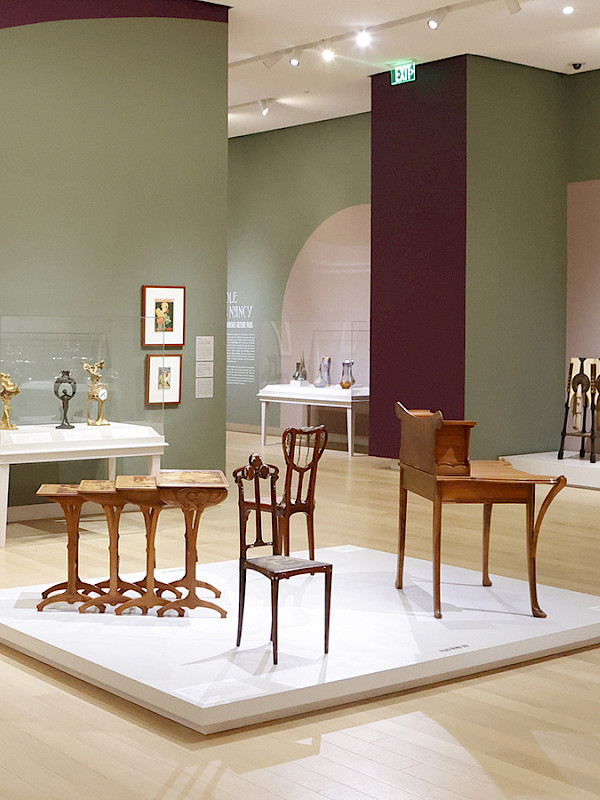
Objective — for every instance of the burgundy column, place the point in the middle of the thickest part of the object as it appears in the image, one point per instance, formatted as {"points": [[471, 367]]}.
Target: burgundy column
{"points": [[28, 12], [418, 250]]}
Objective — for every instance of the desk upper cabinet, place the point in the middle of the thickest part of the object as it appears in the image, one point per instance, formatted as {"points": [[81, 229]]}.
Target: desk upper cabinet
{"points": [[433, 444]]}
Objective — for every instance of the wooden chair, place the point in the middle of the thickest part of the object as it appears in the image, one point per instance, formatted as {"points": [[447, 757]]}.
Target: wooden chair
{"points": [[302, 450], [434, 463], [274, 566]]}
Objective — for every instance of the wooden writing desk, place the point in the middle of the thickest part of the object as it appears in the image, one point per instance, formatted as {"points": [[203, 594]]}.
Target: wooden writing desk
{"points": [[434, 463]]}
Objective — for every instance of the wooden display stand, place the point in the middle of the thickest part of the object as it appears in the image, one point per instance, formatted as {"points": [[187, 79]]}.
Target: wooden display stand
{"points": [[190, 490], [582, 394]]}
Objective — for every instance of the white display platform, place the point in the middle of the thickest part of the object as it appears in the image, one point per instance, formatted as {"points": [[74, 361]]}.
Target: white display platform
{"points": [[382, 640], [34, 444], [578, 471], [309, 395]]}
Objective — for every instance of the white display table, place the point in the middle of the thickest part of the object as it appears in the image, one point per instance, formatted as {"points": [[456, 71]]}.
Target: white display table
{"points": [[34, 444], [330, 396]]}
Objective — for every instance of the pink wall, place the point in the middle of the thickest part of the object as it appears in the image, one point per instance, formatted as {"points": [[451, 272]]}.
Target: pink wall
{"points": [[583, 273]]}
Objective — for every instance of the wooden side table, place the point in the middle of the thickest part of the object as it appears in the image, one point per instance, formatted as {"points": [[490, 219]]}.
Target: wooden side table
{"points": [[73, 590], [143, 492], [192, 491], [105, 494]]}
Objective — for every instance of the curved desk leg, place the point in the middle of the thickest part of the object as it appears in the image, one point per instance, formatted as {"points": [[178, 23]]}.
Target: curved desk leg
{"points": [[531, 548], [533, 532]]}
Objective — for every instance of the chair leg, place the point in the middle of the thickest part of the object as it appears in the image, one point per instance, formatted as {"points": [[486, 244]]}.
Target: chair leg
{"points": [[327, 607], [242, 599], [274, 604], [310, 526], [487, 519], [437, 553], [401, 533], [284, 534]]}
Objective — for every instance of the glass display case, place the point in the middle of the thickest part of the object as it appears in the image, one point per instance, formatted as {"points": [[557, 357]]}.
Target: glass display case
{"points": [[285, 345], [312, 374], [36, 351]]}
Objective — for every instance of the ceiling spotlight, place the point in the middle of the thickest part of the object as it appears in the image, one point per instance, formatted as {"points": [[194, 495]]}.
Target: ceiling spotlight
{"points": [[264, 107], [363, 38], [271, 59], [437, 18], [327, 53], [295, 56], [514, 6], [568, 10]]}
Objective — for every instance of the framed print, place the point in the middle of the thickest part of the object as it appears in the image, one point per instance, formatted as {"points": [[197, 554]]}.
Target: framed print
{"points": [[163, 316], [163, 379]]}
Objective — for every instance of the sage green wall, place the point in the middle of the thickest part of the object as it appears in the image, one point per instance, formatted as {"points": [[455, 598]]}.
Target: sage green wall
{"points": [[113, 147], [584, 135], [282, 185], [517, 151]]}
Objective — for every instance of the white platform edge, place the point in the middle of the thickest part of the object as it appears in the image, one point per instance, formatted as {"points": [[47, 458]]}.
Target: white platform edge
{"points": [[281, 700], [315, 698], [579, 472]]}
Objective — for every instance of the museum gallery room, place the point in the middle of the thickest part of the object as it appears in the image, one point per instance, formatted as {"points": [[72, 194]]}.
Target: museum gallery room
{"points": [[300, 295]]}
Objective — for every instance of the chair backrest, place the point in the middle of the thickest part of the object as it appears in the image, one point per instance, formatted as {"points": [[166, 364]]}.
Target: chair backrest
{"points": [[432, 444], [256, 493], [302, 449]]}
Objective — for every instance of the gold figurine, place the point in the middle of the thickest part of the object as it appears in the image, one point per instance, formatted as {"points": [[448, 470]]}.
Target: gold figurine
{"points": [[97, 391], [8, 390]]}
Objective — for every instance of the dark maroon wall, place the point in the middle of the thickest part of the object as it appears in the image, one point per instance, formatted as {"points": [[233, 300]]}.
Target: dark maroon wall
{"points": [[27, 12], [418, 250]]}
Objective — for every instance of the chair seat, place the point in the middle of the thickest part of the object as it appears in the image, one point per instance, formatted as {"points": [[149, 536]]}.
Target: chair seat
{"points": [[278, 564]]}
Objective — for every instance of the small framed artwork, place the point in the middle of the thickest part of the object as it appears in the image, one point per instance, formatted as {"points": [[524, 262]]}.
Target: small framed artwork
{"points": [[163, 316], [163, 379]]}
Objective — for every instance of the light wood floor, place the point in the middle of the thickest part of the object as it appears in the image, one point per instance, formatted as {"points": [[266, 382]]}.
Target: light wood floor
{"points": [[527, 732]]}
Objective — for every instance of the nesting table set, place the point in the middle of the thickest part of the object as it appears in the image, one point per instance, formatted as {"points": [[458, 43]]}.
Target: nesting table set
{"points": [[190, 490]]}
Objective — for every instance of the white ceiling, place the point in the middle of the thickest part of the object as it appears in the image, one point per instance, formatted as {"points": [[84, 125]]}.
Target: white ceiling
{"points": [[540, 35]]}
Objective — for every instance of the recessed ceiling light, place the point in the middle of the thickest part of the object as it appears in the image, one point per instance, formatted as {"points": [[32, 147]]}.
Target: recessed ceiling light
{"points": [[363, 38], [568, 10], [295, 57], [328, 53], [437, 18]]}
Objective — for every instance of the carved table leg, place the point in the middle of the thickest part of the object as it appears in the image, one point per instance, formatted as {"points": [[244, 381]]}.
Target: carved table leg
{"points": [[189, 582], [73, 590], [115, 586], [150, 597]]}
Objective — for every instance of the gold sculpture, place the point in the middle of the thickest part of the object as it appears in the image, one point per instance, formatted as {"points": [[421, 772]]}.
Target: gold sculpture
{"points": [[97, 391], [8, 390]]}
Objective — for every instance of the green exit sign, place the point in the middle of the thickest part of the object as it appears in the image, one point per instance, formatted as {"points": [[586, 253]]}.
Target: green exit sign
{"points": [[404, 73]]}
